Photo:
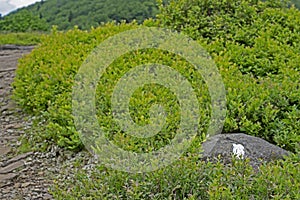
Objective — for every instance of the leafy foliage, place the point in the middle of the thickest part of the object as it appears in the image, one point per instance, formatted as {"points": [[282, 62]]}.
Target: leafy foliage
{"points": [[258, 44], [56, 62], [261, 72]]}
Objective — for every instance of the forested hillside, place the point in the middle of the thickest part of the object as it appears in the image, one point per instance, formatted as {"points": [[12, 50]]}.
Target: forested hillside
{"points": [[23, 22], [85, 13]]}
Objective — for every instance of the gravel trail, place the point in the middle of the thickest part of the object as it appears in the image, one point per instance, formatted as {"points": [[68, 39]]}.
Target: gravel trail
{"points": [[26, 175]]}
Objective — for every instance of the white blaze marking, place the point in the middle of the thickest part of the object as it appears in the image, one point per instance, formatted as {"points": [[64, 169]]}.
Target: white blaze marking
{"points": [[238, 150]]}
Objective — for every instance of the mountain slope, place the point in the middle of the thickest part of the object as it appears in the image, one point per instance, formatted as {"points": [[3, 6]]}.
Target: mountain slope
{"points": [[86, 13], [82, 13]]}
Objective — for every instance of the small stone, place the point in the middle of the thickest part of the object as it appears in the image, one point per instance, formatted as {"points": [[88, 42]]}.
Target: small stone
{"points": [[47, 196], [9, 130], [11, 167], [40, 173], [4, 150], [17, 158], [24, 185], [5, 177]]}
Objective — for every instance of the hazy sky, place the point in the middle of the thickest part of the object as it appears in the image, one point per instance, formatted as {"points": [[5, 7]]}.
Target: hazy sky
{"points": [[7, 6]]}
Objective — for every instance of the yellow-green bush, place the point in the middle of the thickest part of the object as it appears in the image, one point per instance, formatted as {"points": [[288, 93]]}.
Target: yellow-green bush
{"points": [[47, 84], [258, 59], [260, 41]]}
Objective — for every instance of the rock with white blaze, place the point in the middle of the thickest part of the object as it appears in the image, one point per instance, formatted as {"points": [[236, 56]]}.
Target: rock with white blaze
{"points": [[242, 146]]}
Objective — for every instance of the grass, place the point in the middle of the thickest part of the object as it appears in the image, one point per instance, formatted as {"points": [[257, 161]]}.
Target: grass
{"points": [[187, 178], [30, 38]]}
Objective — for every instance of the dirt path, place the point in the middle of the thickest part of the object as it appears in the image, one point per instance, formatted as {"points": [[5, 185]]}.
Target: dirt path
{"points": [[21, 176], [29, 175]]}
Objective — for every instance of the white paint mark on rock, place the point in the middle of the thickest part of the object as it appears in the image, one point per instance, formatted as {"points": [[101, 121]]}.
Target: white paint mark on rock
{"points": [[238, 150]]}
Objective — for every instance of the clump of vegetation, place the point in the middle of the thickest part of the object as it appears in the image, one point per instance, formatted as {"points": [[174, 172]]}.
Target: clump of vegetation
{"points": [[259, 43], [51, 96], [261, 72]]}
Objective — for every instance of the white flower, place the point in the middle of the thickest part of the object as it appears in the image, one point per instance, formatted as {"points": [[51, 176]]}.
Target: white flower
{"points": [[238, 150]]}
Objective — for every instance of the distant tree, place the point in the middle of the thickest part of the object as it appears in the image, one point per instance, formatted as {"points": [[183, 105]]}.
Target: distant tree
{"points": [[70, 17]]}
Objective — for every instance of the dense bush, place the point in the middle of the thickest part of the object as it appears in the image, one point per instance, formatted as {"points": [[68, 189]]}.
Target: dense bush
{"points": [[187, 179], [258, 59], [47, 83], [260, 43], [220, 19]]}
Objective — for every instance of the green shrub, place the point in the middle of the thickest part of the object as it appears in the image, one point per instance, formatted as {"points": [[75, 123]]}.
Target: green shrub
{"points": [[258, 59], [256, 48], [47, 82], [213, 19], [258, 44]]}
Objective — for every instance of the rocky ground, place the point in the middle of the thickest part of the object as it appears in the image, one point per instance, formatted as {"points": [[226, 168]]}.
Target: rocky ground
{"points": [[26, 175]]}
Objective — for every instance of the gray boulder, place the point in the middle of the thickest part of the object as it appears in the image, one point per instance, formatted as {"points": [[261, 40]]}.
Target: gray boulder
{"points": [[254, 148]]}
